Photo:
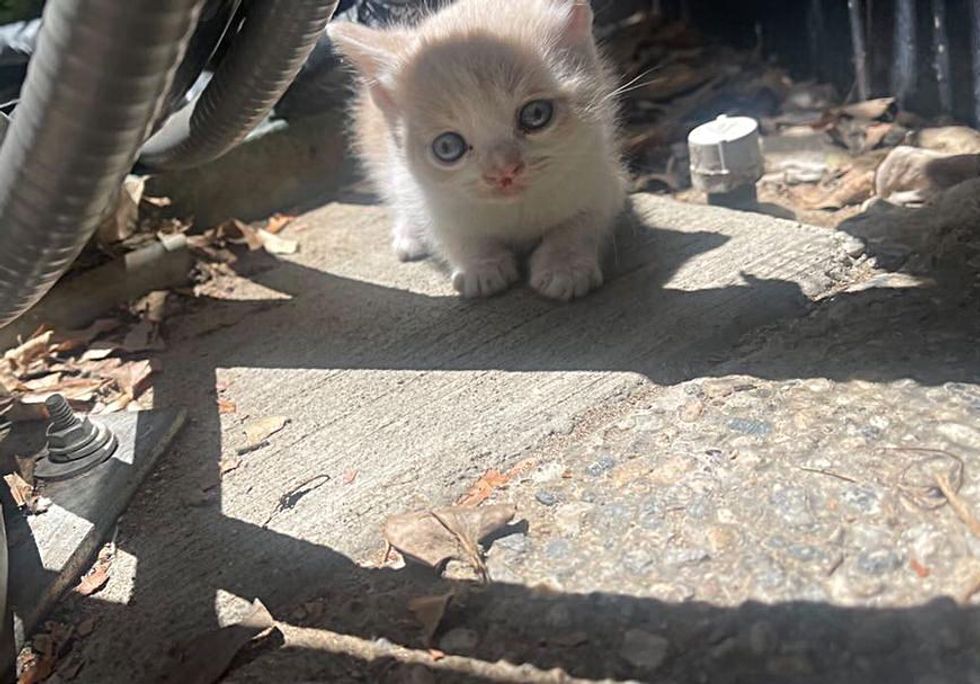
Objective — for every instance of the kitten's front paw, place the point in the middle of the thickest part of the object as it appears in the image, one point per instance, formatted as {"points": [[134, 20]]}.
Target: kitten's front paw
{"points": [[559, 275], [486, 278], [409, 241], [408, 248]]}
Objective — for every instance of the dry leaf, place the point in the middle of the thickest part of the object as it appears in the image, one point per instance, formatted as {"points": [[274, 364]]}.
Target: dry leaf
{"points": [[490, 482], [260, 429], [429, 611], [483, 488], [274, 244], [121, 223], [94, 580], [434, 537], [870, 110], [152, 306], [33, 349], [349, 477], [226, 406], [854, 188], [239, 233], [277, 222], [21, 490], [38, 671], [206, 658], [71, 340], [133, 377]]}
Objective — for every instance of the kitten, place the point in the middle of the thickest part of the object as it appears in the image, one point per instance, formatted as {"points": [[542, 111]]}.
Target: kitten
{"points": [[489, 129]]}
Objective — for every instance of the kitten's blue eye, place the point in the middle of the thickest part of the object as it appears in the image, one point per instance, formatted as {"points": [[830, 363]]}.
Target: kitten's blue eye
{"points": [[536, 115], [449, 147]]}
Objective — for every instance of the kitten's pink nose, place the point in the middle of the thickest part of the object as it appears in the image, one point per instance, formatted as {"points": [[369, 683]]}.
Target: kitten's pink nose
{"points": [[504, 176]]}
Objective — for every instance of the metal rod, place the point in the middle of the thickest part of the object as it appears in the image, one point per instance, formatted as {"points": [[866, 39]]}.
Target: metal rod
{"points": [[975, 51], [940, 51], [857, 45], [903, 64]]}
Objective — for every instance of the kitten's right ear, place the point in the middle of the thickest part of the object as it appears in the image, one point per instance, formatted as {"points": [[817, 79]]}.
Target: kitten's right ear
{"points": [[372, 52]]}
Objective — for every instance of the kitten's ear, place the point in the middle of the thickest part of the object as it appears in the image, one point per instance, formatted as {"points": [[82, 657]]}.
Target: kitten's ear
{"points": [[372, 53], [577, 27]]}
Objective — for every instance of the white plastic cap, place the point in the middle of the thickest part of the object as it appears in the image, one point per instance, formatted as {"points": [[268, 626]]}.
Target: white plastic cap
{"points": [[725, 154]]}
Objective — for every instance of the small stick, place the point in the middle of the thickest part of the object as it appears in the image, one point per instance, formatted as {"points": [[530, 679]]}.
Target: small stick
{"points": [[828, 473], [958, 504]]}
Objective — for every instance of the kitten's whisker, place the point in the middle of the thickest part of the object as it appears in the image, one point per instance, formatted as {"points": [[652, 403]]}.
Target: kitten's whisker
{"points": [[631, 84]]}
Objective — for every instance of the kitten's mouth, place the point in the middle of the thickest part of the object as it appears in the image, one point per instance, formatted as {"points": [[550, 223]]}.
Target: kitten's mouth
{"points": [[505, 192]]}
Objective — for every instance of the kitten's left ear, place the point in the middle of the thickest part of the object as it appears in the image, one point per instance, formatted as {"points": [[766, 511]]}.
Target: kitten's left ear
{"points": [[374, 53], [577, 28]]}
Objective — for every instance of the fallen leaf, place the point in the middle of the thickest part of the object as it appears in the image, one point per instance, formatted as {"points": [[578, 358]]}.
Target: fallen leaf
{"points": [[870, 109], [429, 612], [21, 490], [854, 188], [274, 244], [207, 657], [71, 340], [435, 537], [490, 482], [33, 349], [277, 222], [261, 429], [436, 654], [239, 233], [349, 477], [97, 578], [38, 671], [226, 406], [483, 488], [133, 377], [122, 221], [152, 306]]}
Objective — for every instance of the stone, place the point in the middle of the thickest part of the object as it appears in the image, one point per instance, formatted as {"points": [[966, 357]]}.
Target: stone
{"points": [[750, 426], [546, 498], [644, 650], [878, 561], [601, 465]]}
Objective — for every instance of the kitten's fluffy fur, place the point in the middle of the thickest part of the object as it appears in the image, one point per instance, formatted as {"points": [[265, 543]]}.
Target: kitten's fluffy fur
{"points": [[469, 69]]}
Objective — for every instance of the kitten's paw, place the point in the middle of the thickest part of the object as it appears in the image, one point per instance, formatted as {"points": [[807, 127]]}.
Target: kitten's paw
{"points": [[408, 248], [486, 278], [558, 275]]}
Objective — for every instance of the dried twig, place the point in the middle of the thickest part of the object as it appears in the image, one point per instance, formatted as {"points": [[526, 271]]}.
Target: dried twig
{"points": [[923, 491], [828, 473], [957, 503]]}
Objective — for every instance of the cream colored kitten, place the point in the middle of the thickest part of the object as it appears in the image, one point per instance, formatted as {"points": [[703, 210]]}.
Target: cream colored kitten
{"points": [[489, 129]]}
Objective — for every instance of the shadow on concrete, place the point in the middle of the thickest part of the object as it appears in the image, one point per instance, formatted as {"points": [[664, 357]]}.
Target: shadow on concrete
{"points": [[353, 324]]}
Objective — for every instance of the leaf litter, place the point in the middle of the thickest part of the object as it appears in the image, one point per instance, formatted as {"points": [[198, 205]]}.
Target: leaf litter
{"points": [[205, 658], [439, 535]]}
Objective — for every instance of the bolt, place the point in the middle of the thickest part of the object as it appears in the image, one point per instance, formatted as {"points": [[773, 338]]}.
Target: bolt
{"points": [[62, 416]]}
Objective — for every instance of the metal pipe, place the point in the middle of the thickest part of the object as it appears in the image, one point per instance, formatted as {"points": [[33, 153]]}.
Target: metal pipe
{"points": [[940, 51], [858, 48], [975, 55], [903, 64]]}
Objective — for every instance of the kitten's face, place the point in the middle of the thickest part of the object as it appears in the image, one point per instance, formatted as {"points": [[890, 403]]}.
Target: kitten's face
{"points": [[485, 119]]}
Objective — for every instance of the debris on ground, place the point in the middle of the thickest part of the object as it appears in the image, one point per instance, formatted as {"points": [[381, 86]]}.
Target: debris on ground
{"points": [[259, 430], [205, 658], [98, 576], [491, 481], [292, 497], [429, 611], [435, 537]]}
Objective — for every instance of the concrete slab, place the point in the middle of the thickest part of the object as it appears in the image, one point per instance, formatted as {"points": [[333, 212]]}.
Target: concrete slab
{"points": [[400, 395]]}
